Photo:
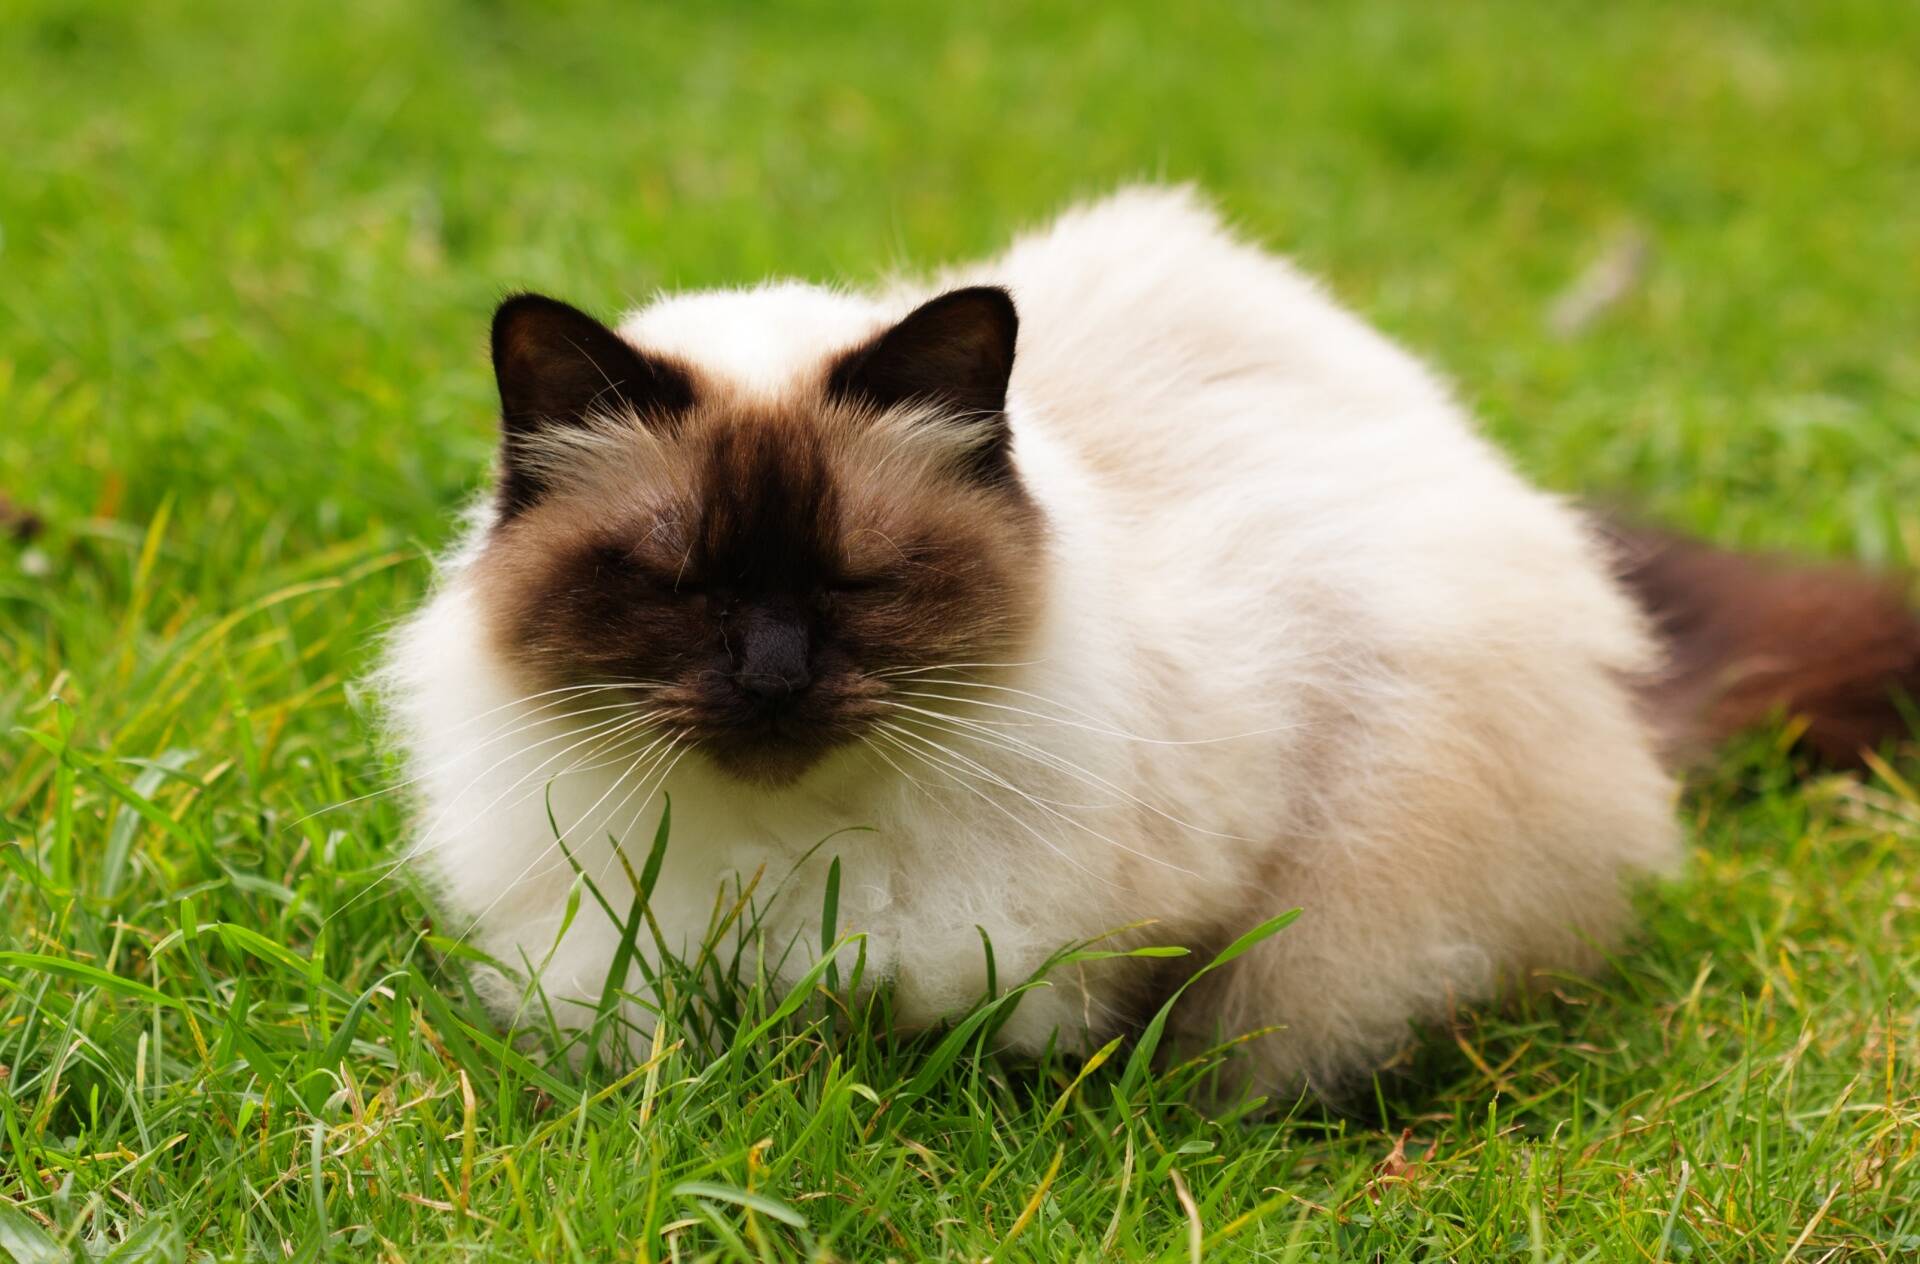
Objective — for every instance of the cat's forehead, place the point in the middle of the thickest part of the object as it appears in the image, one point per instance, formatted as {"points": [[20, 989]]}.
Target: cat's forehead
{"points": [[751, 464], [763, 455], [763, 340]]}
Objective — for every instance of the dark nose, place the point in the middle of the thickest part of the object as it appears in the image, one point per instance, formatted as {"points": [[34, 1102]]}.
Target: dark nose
{"points": [[773, 655]]}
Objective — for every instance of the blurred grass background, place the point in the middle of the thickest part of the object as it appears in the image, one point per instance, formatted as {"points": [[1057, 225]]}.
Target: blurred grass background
{"points": [[269, 238], [247, 255]]}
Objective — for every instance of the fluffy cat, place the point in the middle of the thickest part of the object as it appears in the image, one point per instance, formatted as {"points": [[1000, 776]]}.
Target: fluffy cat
{"points": [[1123, 579]]}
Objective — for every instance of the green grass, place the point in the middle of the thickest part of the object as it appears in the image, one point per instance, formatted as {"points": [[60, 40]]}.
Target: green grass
{"points": [[246, 257]]}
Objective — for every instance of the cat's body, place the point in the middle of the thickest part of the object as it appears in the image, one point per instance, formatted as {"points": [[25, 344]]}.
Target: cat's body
{"points": [[1284, 631]]}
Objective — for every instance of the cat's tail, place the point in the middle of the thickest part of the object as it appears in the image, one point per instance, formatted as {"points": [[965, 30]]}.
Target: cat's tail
{"points": [[1833, 649]]}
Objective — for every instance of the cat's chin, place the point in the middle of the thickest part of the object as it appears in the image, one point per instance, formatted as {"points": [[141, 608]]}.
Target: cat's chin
{"points": [[773, 761]]}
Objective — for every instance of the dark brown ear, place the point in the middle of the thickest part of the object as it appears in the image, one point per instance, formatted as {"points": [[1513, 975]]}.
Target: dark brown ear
{"points": [[955, 350], [558, 366]]}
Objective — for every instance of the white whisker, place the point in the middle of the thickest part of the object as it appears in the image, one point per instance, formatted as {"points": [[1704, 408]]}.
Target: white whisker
{"points": [[1042, 804], [1052, 759], [617, 683], [994, 804], [659, 782], [617, 724], [423, 847], [893, 672], [1091, 728], [556, 844], [513, 728]]}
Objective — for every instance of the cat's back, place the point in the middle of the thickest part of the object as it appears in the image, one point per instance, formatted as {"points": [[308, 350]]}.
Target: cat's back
{"points": [[1245, 435], [1308, 507], [1156, 341]]}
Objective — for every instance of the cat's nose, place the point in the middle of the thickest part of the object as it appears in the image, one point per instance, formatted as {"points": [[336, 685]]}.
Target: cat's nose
{"points": [[774, 650]]}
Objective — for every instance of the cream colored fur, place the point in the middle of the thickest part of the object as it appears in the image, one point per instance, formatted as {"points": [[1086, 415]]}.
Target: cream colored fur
{"points": [[1310, 642]]}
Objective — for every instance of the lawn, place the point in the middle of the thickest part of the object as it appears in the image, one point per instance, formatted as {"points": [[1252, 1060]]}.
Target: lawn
{"points": [[247, 254]]}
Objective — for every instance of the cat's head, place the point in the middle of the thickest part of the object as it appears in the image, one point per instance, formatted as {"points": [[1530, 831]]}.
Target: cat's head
{"points": [[759, 570]]}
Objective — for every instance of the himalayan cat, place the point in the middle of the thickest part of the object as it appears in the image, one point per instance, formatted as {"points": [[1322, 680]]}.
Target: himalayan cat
{"points": [[1124, 583]]}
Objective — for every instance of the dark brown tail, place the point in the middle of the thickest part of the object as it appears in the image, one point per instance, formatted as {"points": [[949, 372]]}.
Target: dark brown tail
{"points": [[1833, 648]]}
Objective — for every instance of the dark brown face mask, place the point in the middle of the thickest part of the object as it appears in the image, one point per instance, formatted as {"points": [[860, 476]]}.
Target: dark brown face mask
{"points": [[764, 570]]}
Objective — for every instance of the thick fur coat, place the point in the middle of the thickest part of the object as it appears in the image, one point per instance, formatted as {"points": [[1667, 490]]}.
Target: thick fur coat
{"points": [[1280, 630]]}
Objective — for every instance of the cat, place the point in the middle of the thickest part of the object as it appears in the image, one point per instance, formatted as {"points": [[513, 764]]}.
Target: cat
{"points": [[1122, 586]]}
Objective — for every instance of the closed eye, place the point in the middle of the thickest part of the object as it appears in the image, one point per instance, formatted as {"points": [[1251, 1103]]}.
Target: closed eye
{"points": [[679, 579], [680, 582]]}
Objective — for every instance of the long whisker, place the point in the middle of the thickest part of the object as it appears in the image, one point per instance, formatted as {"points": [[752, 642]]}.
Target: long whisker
{"points": [[633, 766], [989, 774], [892, 672], [996, 806], [587, 816], [632, 822], [659, 781], [512, 728], [937, 799], [528, 869], [1091, 728], [545, 713], [1037, 798], [423, 847], [906, 776], [654, 764], [612, 742], [620, 682], [961, 726], [591, 731], [969, 682]]}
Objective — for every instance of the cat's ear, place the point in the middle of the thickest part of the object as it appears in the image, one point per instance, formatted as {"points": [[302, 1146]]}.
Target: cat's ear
{"points": [[557, 366], [955, 350]]}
